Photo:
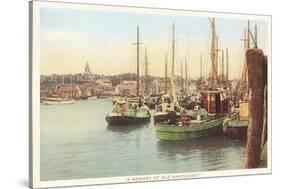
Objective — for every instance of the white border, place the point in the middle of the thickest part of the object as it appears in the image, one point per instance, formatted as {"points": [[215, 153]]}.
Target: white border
{"points": [[35, 91]]}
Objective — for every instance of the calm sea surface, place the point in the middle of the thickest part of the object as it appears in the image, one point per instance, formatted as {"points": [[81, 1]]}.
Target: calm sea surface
{"points": [[76, 142]]}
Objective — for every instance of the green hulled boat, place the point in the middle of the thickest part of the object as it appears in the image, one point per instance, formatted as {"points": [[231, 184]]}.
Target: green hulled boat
{"points": [[194, 129], [198, 122], [208, 114]]}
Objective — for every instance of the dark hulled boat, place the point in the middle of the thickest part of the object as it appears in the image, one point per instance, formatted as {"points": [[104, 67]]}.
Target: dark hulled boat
{"points": [[237, 126], [129, 111], [126, 112]]}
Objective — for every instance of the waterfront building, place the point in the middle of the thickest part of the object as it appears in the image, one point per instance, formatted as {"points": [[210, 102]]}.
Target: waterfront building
{"points": [[68, 91], [155, 86], [104, 83], [126, 88]]}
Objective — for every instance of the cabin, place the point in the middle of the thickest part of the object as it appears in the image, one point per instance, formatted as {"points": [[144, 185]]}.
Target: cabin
{"points": [[215, 101], [244, 110]]}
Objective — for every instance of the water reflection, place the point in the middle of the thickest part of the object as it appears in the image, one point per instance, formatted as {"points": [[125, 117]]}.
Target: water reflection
{"points": [[208, 153], [85, 146], [126, 128], [188, 136]]}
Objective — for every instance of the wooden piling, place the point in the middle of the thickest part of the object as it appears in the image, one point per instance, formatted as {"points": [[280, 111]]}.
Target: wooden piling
{"points": [[264, 131], [256, 78]]}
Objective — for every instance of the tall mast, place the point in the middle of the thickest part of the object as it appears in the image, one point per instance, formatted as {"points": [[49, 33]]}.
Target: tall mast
{"points": [[217, 59], [70, 82], [256, 36], [222, 66], [213, 53], [166, 74], [182, 80], [226, 57], [138, 62], [246, 43], [200, 69], [248, 35], [173, 51], [173, 67], [186, 78], [146, 73], [245, 70]]}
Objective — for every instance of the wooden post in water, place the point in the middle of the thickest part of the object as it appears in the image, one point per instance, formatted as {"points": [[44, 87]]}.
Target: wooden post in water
{"points": [[264, 131], [256, 77]]}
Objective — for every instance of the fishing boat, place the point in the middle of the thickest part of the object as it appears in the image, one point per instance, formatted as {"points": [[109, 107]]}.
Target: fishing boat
{"points": [[152, 101], [130, 110], [198, 122], [206, 117], [164, 108], [237, 127], [195, 129], [92, 98], [169, 102], [58, 99]]}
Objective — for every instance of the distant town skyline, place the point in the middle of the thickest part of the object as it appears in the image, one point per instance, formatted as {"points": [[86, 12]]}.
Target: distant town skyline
{"points": [[70, 37]]}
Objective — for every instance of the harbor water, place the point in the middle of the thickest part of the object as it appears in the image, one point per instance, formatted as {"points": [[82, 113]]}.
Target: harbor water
{"points": [[76, 142]]}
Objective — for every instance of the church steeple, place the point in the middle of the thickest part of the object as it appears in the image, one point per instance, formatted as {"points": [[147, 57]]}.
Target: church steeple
{"points": [[87, 68]]}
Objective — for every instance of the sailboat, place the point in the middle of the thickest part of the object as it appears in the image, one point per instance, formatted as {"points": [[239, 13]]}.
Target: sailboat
{"points": [[151, 100], [237, 127], [169, 103], [130, 110], [202, 120], [56, 100]]}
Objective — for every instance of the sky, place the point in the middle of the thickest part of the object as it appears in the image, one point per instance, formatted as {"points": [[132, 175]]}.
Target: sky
{"points": [[70, 37]]}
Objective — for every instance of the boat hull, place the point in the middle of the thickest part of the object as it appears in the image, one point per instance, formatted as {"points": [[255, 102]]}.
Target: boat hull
{"points": [[169, 136], [126, 120], [58, 102], [236, 129], [165, 131]]}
